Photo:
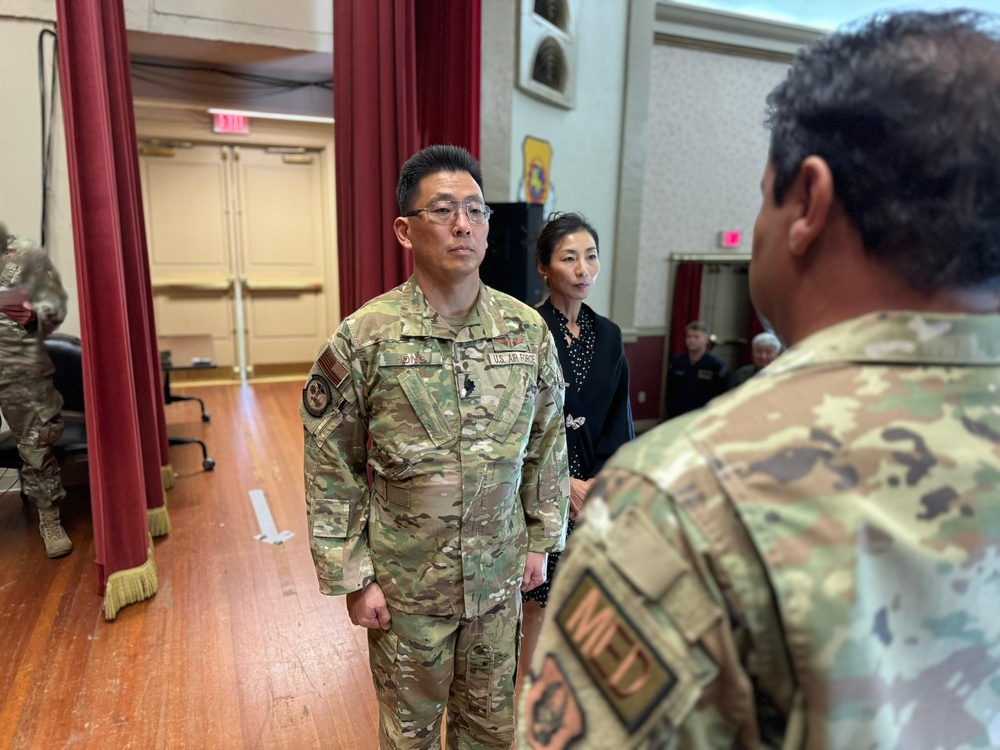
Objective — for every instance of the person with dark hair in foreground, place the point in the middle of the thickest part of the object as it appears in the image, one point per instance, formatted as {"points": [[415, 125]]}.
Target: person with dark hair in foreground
{"points": [[813, 560], [592, 355], [449, 393]]}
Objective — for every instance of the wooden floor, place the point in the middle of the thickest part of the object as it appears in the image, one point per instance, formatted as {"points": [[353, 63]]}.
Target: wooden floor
{"points": [[237, 650]]}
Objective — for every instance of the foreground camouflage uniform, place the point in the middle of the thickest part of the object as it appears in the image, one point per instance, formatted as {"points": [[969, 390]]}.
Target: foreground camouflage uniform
{"points": [[469, 463], [30, 403], [813, 560]]}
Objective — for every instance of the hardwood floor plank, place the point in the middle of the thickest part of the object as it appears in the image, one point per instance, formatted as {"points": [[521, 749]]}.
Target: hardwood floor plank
{"points": [[238, 649]]}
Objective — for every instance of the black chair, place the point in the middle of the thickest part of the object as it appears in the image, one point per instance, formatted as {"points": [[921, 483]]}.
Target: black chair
{"points": [[64, 351]]}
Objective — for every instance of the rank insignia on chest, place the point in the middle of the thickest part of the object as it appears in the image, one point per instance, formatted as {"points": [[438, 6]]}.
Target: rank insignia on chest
{"points": [[316, 396], [623, 665]]}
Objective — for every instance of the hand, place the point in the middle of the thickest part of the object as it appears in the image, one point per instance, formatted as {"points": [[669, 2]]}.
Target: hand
{"points": [[20, 314], [578, 489], [534, 571], [367, 607]]}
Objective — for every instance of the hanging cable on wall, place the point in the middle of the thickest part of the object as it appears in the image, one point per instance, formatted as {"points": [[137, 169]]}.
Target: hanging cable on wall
{"points": [[48, 105]]}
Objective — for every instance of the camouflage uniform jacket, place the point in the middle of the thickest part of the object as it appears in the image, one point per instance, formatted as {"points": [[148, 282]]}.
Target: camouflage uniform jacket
{"points": [[22, 354], [468, 452], [812, 561]]}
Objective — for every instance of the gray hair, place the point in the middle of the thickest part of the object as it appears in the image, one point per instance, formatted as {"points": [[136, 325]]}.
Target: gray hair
{"points": [[765, 340]]}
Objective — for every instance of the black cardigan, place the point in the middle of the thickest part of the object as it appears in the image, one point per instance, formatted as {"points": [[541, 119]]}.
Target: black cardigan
{"points": [[603, 401]]}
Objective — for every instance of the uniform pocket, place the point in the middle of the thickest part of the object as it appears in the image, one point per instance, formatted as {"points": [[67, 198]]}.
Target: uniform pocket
{"points": [[509, 407], [426, 409]]}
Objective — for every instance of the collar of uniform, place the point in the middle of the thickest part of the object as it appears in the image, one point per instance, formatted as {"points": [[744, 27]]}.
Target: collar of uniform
{"points": [[903, 337], [418, 318]]}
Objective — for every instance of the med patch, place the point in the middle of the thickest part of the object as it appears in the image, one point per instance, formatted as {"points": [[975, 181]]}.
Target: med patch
{"points": [[316, 396], [628, 671]]}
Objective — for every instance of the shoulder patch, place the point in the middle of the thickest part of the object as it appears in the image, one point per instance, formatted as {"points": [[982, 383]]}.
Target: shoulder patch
{"points": [[333, 369], [316, 396], [554, 718], [627, 670]]}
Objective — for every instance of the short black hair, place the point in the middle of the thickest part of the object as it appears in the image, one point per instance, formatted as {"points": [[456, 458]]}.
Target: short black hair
{"points": [[432, 160], [559, 226], [905, 110]]}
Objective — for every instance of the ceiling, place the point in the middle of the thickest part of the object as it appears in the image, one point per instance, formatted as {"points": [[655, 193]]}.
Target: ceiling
{"points": [[828, 14], [274, 61]]}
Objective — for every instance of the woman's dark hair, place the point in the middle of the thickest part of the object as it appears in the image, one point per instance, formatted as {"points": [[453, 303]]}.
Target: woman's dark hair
{"points": [[905, 110], [559, 226], [432, 160]]}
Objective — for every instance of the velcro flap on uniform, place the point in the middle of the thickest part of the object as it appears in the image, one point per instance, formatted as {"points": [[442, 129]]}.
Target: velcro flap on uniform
{"points": [[643, 556], [651, 564]]}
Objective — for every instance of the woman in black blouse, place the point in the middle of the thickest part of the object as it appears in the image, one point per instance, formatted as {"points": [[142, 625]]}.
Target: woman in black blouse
{"points": [[592, 355]]}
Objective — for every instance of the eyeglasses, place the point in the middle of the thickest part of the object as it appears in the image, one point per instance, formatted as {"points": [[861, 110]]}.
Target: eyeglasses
{"points": [[446, 212]]}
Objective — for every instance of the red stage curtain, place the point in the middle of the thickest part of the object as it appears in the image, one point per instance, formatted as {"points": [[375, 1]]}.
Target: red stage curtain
{"points": [[448, 72], [120, 359], [687, 303], [375, 132], [406, 74]]}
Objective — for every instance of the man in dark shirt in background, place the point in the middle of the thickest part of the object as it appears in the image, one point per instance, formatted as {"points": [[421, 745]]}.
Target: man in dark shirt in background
{"points": [[695, 377]]}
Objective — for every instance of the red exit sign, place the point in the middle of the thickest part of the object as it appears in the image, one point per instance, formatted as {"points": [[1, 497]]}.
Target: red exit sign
{"points": [[223, 122], [730, 238]]}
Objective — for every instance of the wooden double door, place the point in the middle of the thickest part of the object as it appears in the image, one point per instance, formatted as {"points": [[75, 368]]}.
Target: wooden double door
{"points": [[240, 249]]}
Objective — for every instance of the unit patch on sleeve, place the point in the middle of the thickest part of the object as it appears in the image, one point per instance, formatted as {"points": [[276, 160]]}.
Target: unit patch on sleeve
{"points": [[316, 396], [630, 674], [554, 717]]}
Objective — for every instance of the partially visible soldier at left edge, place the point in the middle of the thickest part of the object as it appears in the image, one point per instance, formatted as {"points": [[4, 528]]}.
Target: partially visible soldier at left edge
{"points": [[29, 401]]}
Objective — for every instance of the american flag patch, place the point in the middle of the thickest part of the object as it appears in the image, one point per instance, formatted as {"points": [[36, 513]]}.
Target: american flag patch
{"points": [[333, 369]]}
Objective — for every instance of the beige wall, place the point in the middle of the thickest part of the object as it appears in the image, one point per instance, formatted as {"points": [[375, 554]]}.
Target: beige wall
{"points": [[21, 149]]}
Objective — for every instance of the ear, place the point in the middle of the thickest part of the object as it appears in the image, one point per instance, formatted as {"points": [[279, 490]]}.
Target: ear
{"points": [[811, 197], [402, 229]]}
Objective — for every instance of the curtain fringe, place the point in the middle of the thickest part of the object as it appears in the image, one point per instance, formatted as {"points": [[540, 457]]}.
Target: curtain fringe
{"points": [[130, 586], [159, 519], [168, 477]]}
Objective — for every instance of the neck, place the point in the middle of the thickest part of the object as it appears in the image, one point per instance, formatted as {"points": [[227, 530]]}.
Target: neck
{"points": [[857, 285], [449, 297], [696, 356], [568, 307]]}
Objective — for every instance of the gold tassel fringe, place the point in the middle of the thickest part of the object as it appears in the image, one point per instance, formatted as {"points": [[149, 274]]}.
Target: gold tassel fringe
{"points": [[130, 586], [167, 472], [159, 519]]}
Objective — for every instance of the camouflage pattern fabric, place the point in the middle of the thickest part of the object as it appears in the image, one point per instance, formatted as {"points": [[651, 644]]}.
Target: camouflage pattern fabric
{"points": [[812, 561], [28, 400], [468, 453], [22, 354], [425, 663]]}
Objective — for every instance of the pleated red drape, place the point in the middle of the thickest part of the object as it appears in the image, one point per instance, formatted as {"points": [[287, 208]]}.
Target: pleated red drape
{"points": [[125, 427], [686, 305], [374, 93], [406, 74], [448, 72]]}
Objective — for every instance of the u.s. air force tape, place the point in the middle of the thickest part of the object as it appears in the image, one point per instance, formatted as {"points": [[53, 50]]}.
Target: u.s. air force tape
{"points": [[630, 674], [316, 396]]}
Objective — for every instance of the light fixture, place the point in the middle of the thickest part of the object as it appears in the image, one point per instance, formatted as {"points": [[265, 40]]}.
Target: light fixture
{"points": [[272, 116]]}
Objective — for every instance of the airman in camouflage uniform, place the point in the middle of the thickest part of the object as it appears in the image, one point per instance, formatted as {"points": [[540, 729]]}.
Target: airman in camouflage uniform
{"points": [[30, 403], [812, 561], [470, 483]]}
